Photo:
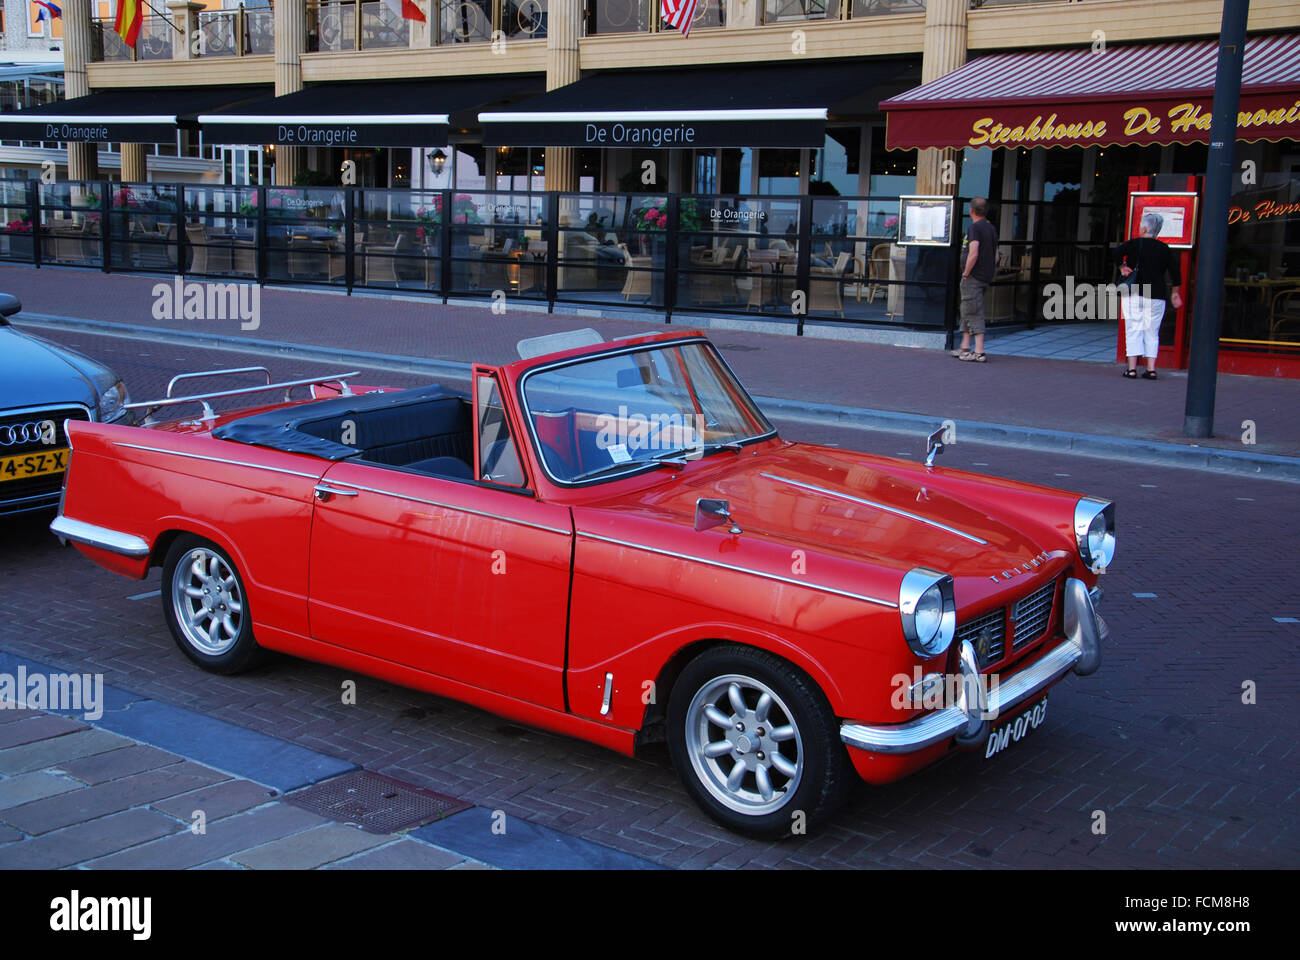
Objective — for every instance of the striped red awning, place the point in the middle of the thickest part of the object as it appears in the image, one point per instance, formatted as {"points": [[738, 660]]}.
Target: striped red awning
{"points": [[1152, 93]]}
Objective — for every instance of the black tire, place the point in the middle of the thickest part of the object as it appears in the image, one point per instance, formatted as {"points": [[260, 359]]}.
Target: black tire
{"points": [[823, 774], [225, 651]]}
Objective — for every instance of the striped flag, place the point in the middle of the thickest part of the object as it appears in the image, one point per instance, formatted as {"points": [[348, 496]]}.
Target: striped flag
{"points": [[126, 24], [408, 10], [679, 14], [51, 8]]}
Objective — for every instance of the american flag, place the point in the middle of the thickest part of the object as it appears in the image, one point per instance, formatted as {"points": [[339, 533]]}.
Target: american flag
{"points": [[679, 13]]}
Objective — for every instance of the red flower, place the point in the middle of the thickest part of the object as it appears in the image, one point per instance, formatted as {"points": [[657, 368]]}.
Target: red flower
{"points": [[419, 231]]}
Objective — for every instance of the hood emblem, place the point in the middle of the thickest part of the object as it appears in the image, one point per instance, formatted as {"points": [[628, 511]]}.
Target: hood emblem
{"points": [[1027, 567]]}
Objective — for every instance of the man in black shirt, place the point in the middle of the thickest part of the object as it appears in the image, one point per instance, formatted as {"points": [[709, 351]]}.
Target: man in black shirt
{"points": [[978, 265]]}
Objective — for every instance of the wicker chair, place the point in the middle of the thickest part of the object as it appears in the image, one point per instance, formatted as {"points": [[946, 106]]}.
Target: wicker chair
{"points": [[877, 271], [637, 283]]}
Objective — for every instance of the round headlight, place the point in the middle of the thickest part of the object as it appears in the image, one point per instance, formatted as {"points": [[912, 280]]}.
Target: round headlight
{"points": [[929, 615], [1094, 529], [111, 402]]}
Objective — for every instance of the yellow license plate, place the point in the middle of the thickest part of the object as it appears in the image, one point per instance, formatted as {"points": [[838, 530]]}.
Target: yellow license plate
{"points": [[33, 464]]}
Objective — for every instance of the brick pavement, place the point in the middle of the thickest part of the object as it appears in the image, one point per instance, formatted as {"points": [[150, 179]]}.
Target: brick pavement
{"points": [[1024, 391], [75, 796], [1158, 740]]}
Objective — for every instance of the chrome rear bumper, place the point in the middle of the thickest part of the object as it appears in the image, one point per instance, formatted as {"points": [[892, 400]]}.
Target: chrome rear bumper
{"points": [[65, 528], [969, 719]]}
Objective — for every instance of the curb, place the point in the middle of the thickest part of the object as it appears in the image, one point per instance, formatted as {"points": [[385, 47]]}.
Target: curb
{"points": [[1153, 452]]}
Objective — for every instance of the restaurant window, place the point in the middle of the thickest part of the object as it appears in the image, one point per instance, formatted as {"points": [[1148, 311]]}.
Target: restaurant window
{"points": [[471, 168], [587, 161], [834, 169], [876, 8], [778, 171], [893, 172], [735, 169]]}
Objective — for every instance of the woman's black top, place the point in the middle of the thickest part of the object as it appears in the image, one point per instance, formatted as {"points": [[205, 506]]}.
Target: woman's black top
{"points": [[1152, 259]]}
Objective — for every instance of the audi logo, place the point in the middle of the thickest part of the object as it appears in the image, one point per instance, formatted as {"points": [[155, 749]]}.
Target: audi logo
{"points": [[16, 434]]}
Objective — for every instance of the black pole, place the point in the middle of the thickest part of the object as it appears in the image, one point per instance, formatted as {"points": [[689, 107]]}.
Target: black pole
{"points": [[1203, 367]]}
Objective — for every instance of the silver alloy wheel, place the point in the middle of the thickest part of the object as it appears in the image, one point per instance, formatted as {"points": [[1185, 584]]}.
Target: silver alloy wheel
{"points": [[208, 604], [744, 744]]}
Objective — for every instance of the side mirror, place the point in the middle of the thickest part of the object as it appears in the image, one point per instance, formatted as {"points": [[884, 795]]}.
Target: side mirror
{"points": [[9, 305], [933, 446], [713, 513]]}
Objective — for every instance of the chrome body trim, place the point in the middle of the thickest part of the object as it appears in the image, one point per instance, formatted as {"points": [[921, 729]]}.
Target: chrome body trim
{"points": [[65, 528], [334, 484], [1080, 651], [226, 460], [879, 506], [728, 566]]}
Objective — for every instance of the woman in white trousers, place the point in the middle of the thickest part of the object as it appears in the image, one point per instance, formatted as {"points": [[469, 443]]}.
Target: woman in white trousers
{"points": [[1144, 305]]}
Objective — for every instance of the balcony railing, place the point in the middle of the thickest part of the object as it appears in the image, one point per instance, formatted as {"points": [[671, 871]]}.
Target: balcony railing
{"points": [[236, 33], [155, 42]]}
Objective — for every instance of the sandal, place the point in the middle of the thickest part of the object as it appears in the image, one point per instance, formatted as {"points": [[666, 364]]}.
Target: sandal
{"points": [[1131, 374], [976, 357], [961, 354], [1150, 375]]}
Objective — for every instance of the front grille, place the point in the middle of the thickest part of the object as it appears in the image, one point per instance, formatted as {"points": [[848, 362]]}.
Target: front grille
{"points": [[21, 493], [1032, 614], [57, 414], [996, 625]]}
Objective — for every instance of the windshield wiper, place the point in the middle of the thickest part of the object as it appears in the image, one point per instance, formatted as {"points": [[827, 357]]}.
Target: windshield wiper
{"points": [[671, 458], [731, 445]]}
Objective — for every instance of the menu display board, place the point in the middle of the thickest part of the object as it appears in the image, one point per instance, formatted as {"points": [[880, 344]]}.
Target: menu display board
{"points": [[1177, 210], [924, 221]]}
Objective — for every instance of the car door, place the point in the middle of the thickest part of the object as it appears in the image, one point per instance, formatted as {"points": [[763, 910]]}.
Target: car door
{"points": [[465, 579]]}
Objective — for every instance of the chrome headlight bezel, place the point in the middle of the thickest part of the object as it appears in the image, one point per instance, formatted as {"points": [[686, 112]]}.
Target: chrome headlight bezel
{"points": [[112, 402], [1100, 554], [917, 583]]}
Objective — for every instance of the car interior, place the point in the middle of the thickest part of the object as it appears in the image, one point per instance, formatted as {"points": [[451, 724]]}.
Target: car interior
{"points": [[426, 429]]}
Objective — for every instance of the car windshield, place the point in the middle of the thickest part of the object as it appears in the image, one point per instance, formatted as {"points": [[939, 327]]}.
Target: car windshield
{"points": [[608, 416]]}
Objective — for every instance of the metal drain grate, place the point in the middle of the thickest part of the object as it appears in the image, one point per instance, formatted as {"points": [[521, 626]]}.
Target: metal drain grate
{"points": [[375, 803]]}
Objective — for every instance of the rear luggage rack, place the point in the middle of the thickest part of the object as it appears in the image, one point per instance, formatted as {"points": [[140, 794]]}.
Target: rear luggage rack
{"points": [[152, 406]]}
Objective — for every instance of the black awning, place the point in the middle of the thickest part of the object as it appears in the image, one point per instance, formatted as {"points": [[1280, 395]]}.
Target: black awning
{"points": [[127, 115], [753, 105], [407, 113]]}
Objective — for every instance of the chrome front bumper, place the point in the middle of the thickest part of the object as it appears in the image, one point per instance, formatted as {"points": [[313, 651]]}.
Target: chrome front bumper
{"points": [[968, 720]]}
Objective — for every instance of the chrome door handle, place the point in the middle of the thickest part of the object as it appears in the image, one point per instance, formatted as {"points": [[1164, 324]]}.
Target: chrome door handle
{"points": [[324, 492]]}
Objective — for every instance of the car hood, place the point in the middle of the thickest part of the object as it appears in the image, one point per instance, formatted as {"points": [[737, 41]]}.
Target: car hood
{"points": [[850, 507], [35, 372]]}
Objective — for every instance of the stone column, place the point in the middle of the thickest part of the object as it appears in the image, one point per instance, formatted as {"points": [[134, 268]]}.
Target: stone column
{"points": [[290, 45], [134, 168], [944, 52], [563, 29], [83, 163]]}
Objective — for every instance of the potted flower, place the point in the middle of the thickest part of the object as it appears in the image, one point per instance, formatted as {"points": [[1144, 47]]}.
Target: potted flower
{"points": [[18, 234]]}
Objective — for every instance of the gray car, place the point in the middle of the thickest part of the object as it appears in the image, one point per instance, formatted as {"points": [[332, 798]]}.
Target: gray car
{"points": [[42, 384]]}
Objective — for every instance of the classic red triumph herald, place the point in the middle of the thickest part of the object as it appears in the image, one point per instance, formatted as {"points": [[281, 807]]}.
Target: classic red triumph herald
{"points": [[610, 541]]}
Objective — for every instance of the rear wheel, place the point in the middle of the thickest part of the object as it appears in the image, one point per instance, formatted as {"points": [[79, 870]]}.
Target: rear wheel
{"points": [[755, 742], [206, 607]]}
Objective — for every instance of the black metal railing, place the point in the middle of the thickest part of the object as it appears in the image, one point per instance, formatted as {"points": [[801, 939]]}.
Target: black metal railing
{"points": [[795, 258]]}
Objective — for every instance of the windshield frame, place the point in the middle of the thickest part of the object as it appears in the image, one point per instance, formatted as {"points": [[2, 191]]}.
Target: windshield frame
{"points": [[635, 467]]}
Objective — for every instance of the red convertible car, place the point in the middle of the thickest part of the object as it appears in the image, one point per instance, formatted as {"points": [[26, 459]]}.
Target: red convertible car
{"points": [[609, 540]]}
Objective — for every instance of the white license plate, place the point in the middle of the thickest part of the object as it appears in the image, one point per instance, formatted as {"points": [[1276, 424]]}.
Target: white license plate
{"points": [[1013, 731]]}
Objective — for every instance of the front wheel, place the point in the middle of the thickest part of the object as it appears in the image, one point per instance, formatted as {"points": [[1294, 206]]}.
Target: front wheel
{"points": [[755, 743], [206, 607]]}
